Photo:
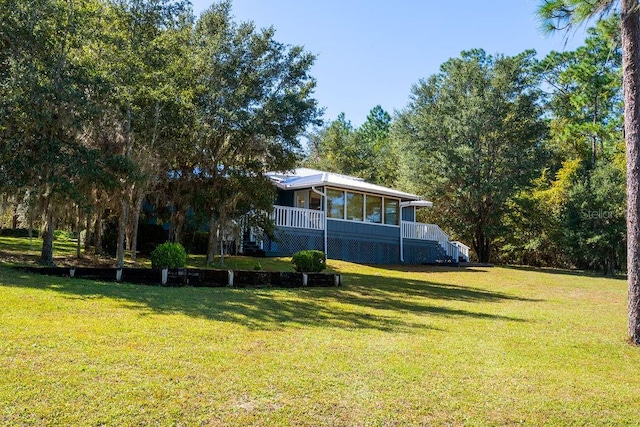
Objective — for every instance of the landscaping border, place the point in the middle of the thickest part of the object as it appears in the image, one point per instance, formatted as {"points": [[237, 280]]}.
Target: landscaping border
{"points": [[194, 277]]}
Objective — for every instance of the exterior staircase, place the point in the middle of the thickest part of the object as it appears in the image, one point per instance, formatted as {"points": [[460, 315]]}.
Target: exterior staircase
{"points": [[252, 249]]}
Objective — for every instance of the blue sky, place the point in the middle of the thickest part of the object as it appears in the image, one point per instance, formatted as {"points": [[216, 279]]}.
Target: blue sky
{"points": [[372, 52]]}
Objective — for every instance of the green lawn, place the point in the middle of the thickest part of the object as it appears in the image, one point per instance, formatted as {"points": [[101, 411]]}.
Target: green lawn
{"points": [[394, 346]]}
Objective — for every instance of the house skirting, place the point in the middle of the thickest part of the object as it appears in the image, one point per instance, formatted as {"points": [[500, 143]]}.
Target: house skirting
{"points": [[288, 241], [356, 242]]}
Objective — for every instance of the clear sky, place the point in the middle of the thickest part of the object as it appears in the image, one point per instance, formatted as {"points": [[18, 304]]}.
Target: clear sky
{"points": [[371, 52]]}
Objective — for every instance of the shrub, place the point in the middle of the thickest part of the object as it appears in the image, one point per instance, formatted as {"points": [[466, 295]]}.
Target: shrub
{"points": [[169, 255], [18, 232], [62, 235], [309, 261]]}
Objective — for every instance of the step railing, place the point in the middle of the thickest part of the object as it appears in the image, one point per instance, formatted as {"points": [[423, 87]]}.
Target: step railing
{"points": [[284, 216], [421, 231], [463, 250]]}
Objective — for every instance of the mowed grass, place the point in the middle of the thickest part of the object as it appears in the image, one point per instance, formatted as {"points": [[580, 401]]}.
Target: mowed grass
{"points": [[394, 346], [22, 251]]}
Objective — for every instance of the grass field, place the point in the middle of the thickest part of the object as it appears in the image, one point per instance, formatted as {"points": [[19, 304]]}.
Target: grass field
{"points": [[394, 346]]}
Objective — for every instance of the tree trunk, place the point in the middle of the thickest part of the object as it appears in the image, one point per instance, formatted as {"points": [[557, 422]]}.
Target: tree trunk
{"points": [[88, 236], [46, 256], [630, 19], [31, 209], [211, 247], [221, 237], [177, 224], [134, 225], [78, 231], [122, 229], [97, 231], [481, 245], [124, 202]]}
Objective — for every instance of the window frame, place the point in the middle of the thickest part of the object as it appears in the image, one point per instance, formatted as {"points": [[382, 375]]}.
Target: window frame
{"points": [[383, 212]]}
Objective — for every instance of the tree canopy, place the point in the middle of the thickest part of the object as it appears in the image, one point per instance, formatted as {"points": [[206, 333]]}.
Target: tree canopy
{"points": [[107, 102], [471, 138]]}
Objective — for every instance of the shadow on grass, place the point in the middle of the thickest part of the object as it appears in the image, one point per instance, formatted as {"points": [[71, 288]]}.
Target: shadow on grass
{"points": [[378, 303], [433, 269], [579, 273]]}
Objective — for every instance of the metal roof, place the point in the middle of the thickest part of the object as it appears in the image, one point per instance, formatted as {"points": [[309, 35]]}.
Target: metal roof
{"points": [[306, 178]]}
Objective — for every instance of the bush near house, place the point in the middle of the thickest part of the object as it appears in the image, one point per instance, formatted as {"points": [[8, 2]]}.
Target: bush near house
{"points": [[310, 261], [169, 255]]}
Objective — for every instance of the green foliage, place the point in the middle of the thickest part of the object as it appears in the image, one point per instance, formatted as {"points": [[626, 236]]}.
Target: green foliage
{"points": [[471, 139], [309, 261], [366, 152], [574, 216], [62, 235], [18, 232], [169, 255], [586, 105], [257, 266], [563, 14]]}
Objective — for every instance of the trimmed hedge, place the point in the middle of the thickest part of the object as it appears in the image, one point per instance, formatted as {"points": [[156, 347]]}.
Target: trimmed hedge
{"points": [[309, 261], [169, 255]]}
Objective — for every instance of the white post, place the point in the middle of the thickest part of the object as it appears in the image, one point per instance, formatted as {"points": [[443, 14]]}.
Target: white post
{"points": [[118, 275], [402, 226], [165, 275], [305, 279], [72, 272], [324, 197], [230, 278]]}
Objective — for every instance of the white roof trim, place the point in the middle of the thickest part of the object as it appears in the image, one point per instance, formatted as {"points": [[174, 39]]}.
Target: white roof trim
{"points": [[417, 204], [306, 178]]}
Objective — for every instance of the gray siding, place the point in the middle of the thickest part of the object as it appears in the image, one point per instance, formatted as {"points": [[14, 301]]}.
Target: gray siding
{"points": [[408, 214]]}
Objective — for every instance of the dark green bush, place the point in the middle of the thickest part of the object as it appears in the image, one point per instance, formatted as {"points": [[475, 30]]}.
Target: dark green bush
{"points": [[169, 255], [309, 261], [18, 232]]}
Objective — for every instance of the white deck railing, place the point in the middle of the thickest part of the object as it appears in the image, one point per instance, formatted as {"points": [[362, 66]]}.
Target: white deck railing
{"points": [[284, 216], [421, 231], [463, 250]]}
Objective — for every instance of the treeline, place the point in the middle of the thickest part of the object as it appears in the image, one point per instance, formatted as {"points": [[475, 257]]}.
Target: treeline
{"points": [[522, 157], [106, 104]]}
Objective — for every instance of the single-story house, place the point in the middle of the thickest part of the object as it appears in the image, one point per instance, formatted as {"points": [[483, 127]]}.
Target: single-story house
{"points": [[353, 220]]}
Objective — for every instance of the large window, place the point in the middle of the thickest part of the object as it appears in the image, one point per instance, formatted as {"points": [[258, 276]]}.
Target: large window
{"points": [[302, 199], [315, 201], [335, 204], [355, 206], [391, 208], [374, 209]]}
